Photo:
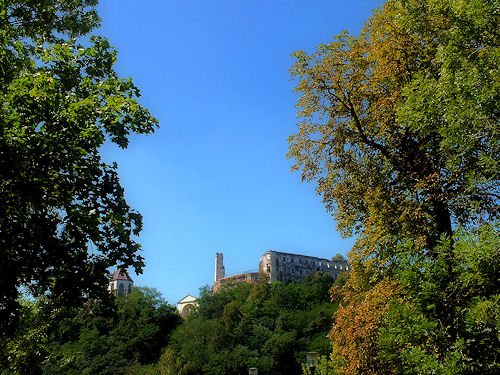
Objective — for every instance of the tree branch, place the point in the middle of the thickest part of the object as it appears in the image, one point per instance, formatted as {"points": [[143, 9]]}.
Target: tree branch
{"points": [[364, 138]]}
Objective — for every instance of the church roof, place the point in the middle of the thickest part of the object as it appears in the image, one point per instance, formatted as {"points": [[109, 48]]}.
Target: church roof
{"points": [[188, 298], [121, 275]]}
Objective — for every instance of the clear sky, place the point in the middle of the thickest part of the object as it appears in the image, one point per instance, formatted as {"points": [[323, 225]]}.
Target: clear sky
{"points": [[215, 177]]}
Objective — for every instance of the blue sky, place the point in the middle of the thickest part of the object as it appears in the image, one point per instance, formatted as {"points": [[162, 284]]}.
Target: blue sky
{"points": [[214, 177]]}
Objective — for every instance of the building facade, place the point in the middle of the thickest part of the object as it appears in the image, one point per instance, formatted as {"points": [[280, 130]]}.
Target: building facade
{"points": [[186, 305], [279, 266], [287, 267], [121, 283]]}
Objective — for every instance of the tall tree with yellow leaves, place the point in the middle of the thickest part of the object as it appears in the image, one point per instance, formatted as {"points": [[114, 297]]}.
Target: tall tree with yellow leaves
{"points": [[399, 131]]}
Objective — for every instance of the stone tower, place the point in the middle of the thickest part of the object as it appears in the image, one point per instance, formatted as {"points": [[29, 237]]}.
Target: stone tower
{"points": [[220, 272]]}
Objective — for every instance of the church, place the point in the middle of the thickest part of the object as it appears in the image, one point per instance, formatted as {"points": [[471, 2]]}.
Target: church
{"points": [[121, 283]]}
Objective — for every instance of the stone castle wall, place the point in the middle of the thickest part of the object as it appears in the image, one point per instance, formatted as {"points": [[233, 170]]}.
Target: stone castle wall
{"points": [[230, 281], [287, 267], [279, 266]]}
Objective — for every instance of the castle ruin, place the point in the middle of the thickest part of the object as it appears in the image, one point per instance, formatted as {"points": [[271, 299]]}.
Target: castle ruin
{"points": [[287, 267], [279, 266]]}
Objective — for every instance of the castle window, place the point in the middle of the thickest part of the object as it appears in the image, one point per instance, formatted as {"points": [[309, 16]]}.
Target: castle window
{"points": [[268, 268], [328, 265], [319, 264]]}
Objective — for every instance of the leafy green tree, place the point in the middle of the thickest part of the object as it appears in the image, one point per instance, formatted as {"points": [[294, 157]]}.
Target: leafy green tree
{"points": [[399, 125], [127, 340], [231, 315], [415, 340], [28, 348], [399, 131], [170, 364], [64, 218], [268, 326], [339, 257]]}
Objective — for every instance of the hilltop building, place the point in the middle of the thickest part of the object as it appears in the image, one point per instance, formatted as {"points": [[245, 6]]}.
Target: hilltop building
{"points": [[287, 267], [279, 266], [121, 283], [185, 305], [220, 278], [228, 282]]}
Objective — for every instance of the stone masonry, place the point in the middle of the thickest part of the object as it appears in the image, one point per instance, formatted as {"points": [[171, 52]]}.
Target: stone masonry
{"points": [[279, 266]]}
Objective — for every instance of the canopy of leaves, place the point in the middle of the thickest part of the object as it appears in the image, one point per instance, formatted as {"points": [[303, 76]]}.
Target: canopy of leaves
{"points": [[399, 130], [268, 326], [93, 339], [64, 219], [399, 126]]}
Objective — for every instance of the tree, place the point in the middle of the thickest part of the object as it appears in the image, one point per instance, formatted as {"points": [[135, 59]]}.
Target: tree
{"points": [[92, 339], [399, 130], [268, 326], [64, 219], [339, 258], [26, 351], [356, 325], [399, 125], [416, 339]]}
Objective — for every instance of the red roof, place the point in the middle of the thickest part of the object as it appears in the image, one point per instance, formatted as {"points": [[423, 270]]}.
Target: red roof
{"points": [[121, 275]]}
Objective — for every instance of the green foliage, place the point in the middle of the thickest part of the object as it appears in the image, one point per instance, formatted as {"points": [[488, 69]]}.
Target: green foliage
{"points": [[339, 257], [169, 364], [64, 218], [324, 367], [399, 130], [455, 329], [268, 326], [26, 351], [125, 341], [398, 126]]}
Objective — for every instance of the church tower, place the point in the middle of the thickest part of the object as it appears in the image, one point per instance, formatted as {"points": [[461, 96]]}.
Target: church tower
{"points": [[121, 283], [220, 272]]}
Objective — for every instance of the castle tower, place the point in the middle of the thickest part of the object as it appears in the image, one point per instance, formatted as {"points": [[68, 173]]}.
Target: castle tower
{"points": [[220, 272]]}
